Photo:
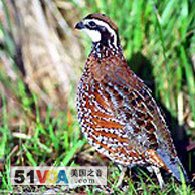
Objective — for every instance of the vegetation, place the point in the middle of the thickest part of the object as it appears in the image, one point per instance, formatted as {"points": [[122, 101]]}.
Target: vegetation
{"points": [[159, 44]]}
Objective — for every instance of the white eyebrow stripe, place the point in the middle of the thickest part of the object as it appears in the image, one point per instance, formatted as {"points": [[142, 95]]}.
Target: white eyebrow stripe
{"points": [[102, 23]]}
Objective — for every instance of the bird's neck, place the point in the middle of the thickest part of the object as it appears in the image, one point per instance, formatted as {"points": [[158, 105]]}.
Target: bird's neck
{"points": [[102, 50]]}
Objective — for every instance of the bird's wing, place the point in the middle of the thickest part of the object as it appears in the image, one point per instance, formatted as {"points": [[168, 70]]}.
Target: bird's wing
{"points": [[144, 121], [135, 115], [132, 104]]}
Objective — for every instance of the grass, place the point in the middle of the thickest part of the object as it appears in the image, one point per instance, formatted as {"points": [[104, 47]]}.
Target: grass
{"points": [[157, 32]]}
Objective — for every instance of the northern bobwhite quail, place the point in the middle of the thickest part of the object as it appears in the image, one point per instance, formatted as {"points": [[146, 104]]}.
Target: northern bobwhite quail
{"points": [[116, 111]]}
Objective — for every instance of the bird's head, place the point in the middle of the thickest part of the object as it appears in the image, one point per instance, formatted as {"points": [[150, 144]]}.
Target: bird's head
{"points": [[100, 28]]}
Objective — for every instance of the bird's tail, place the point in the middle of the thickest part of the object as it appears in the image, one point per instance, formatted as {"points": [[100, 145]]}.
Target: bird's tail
{"points": [[174, 165]]}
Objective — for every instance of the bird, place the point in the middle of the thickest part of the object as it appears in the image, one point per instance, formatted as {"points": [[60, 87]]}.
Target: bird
{"points": [[116, 111]]}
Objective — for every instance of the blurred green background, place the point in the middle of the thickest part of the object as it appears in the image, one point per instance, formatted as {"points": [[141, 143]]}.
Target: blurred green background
{"points": [[41, 60]]}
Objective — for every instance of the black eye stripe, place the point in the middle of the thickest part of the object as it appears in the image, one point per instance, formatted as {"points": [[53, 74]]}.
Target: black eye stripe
{"points": [[92, 23]]}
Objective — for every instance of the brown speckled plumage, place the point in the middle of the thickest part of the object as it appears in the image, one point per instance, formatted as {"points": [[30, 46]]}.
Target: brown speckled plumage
{"points": [[117, 113]]}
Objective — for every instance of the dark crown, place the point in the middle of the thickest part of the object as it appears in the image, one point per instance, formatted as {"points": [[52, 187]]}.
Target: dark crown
{"points": [[104, 18]]}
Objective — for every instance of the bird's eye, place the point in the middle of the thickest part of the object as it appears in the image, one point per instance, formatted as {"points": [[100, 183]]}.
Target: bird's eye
{"points": [[92, 24]]}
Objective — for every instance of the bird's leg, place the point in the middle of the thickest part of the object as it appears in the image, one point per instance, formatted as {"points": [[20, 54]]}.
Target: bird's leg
{"points": [[130, 172], [159, 176], [120, 180]]}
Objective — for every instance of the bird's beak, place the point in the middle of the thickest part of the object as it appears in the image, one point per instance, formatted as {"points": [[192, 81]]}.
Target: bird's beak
{"points": [[79, 25]]}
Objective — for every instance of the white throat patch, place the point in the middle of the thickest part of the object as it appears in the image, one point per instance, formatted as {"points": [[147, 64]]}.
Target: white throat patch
{"points": [[93, 34]]}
